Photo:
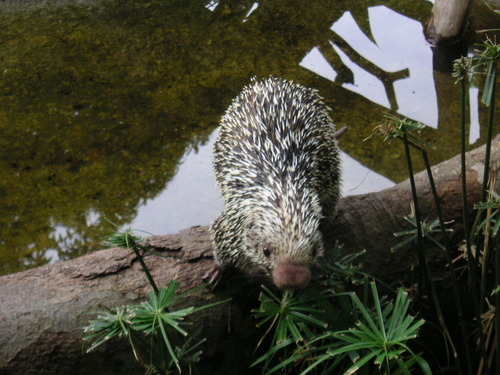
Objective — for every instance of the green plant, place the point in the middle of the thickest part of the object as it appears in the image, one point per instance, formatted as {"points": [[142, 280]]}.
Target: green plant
{"points": [[127, 240], [402, 129], [379, 336], [480, 250], [292, 318], [480, 266], [491, 224], [147, 326], [311, 340], [150, 326], [427, 230], [332, 330]]}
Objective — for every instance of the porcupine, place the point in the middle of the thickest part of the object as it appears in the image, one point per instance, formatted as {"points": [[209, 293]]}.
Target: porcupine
{"points": [[277, 165]]}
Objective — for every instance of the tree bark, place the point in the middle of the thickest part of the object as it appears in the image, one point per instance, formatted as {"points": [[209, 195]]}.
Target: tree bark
{"points": [[43, 310], [369, 221], [447, 20]]}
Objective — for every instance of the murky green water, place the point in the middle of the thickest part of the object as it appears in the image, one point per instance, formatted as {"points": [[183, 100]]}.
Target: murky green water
{"points": [[100, 102]]}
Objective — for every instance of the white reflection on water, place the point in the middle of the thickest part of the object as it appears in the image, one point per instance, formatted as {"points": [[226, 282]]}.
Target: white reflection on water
{"points": [[365, 83], [316, 62], [474, 114], [474, 131], [192, 197], [211, 5], [399, 48], [253, 7]]}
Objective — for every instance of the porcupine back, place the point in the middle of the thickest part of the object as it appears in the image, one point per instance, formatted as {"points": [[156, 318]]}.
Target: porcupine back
{"points": [[276, 162]]}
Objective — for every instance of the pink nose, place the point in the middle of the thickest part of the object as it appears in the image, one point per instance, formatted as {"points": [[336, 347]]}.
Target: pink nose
{"points": [[291, 276]]}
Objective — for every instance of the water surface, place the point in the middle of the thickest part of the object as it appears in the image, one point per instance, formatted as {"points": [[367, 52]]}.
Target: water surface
{"points": [[108, 108]]}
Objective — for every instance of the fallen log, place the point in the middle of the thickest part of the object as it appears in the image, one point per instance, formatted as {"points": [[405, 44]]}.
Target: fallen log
{"points": [[369, 221], [43, 310]]}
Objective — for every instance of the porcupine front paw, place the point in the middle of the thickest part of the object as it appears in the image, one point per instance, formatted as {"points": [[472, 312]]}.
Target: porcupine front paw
{"points": [[213, 276]]}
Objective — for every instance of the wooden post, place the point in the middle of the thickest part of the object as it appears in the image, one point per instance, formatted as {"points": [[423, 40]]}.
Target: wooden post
{"points": [[447, 21]]}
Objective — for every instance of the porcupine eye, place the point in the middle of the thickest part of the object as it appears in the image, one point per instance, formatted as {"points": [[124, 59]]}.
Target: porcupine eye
{"points": [[266, 250]]}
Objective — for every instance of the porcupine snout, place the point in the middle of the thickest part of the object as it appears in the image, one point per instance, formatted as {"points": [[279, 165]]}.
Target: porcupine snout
{"points": [[291, 276]]}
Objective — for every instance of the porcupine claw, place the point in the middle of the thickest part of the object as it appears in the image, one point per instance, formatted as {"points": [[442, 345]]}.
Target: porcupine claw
{"points": [[213, 276]]}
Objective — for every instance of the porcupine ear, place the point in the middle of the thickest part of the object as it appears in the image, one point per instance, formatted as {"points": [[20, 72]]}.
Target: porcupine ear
{"points": [[339, 133]]}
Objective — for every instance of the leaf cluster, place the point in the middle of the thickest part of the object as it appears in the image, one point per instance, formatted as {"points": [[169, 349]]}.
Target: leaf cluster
{"points": [[149, 328], [492, 219], [334, 331], [395, 128], [427, 229], [151, 325]]}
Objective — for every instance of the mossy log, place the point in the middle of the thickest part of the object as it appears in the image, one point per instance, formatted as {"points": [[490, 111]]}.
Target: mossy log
{"points": [[43, 310]]}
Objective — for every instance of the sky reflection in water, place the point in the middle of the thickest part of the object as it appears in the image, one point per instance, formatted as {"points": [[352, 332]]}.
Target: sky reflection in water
{"points": [[362, 67], [400, 48]]}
